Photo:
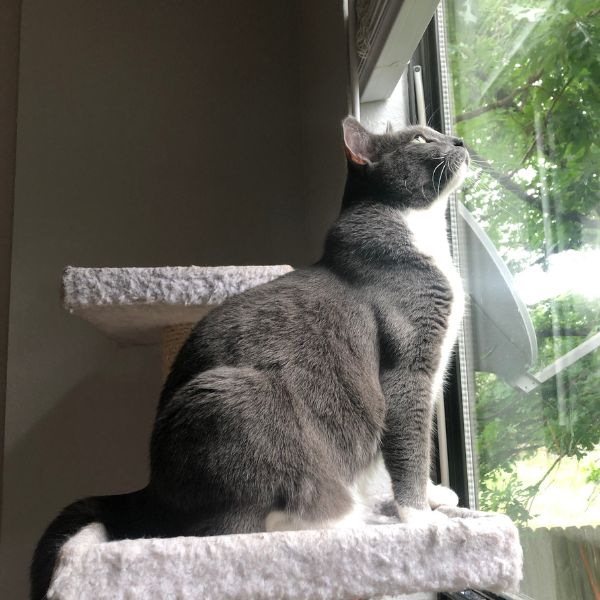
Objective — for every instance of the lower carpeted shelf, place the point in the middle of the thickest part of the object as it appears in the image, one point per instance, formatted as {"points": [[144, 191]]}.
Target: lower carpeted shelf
{"points": [[468, 550]]}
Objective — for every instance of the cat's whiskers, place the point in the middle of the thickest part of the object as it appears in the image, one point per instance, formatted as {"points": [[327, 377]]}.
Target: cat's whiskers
{"points": [[452, 165], [442, 159], [439, 183], [456, 164], [441, 175], [477, 185], [479, 161]]}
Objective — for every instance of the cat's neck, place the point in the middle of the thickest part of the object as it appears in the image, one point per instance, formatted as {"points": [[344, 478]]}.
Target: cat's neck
{"points": [[355, 193], [369, 234], [359, 191], [365, 234]]}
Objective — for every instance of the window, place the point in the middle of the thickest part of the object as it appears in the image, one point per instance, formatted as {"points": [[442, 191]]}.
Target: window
{"points": [[521, 84]]}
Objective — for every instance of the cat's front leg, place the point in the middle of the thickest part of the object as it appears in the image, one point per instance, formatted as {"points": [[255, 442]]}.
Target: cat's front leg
{"points": [[437, 495], [406, 444]]}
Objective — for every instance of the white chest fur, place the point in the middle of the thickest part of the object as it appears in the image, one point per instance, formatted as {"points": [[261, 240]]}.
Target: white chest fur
{"points": [[430, 237]]}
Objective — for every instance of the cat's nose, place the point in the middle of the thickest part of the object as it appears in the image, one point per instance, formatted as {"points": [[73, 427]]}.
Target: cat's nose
{"points": [[459, 142]]}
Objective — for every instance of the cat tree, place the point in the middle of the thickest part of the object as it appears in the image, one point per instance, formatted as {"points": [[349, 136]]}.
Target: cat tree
{"points": [[469, 549]]}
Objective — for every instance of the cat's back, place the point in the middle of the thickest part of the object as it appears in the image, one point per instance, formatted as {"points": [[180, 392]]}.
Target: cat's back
{"points": [[302, 311], [309, 321]]}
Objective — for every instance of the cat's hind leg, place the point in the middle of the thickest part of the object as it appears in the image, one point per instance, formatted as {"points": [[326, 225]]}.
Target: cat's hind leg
{"points": [[230, 447], [362, 502], [218, 443]]}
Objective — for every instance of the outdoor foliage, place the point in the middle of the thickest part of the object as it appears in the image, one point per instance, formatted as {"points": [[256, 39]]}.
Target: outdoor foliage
{"points": [[526, 83]]}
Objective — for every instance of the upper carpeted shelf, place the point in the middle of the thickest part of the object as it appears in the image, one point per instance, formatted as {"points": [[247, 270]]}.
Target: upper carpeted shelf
{"points": [[133, 305]]}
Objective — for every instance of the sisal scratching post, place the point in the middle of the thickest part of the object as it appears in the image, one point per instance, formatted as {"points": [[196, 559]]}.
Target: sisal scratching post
{"points": [[173, 338]]}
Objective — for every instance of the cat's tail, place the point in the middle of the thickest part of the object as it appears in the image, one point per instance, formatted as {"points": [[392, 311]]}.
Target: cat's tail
{"points": [[72, 519], [119, 515]]}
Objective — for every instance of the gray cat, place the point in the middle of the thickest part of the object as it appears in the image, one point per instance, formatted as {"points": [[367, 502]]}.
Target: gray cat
{"points": [[286, 399]]}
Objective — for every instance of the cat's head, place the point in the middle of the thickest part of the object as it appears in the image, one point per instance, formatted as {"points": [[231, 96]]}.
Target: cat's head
{"points": [[410, 168]]}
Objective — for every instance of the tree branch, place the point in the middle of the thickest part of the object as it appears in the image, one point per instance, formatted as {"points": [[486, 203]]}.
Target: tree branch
{"points": [[538, 136], [501, 103], [564, 331], [536, 486], [583, 220]]}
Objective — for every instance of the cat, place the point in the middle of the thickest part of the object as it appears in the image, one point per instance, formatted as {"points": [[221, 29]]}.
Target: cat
{"points": [[286, 398]]}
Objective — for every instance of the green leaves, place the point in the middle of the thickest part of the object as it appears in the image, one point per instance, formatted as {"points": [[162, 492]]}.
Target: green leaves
{"points": [[526, 84]]}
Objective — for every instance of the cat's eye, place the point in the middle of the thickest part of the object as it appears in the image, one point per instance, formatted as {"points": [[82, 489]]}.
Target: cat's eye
{"points": [[419, 139]]}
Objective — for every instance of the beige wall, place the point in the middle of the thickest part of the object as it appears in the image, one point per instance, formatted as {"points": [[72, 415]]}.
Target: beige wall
{"points": [[149, 133], [10, 15]]}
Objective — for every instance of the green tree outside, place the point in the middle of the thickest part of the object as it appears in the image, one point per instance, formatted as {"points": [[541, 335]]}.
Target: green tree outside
{"points": [[526, 86]]}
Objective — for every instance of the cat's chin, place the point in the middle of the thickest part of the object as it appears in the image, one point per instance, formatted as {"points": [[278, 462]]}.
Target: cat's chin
{"points": [[454, 182], [458, 178]]}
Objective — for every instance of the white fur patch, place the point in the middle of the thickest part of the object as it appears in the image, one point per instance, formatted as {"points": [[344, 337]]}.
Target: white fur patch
{"points": [[415, 516], [371, 485], [430, 237], [279, 520], [440, 495], [94, 533]]}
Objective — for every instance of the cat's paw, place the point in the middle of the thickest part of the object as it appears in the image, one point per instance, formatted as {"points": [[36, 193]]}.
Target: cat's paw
{"points": [[417, 516], [439, 495]]}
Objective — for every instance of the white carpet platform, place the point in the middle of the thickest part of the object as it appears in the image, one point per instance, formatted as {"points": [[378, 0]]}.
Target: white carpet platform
{"points": [[468, 550], [133, 305]]}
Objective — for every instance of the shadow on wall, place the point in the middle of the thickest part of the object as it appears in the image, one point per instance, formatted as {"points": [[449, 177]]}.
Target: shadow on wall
{"points": [[97, 432]]}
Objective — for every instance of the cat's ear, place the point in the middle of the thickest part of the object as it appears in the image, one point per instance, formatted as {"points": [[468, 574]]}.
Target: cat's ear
{"points": [[357, 142]]}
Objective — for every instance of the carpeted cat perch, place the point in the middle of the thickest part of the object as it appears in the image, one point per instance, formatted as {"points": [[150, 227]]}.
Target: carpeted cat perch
{"points": [[469, 549]]}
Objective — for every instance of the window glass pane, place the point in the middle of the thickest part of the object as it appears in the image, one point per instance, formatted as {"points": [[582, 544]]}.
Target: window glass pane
{"points": [[525, 95]]}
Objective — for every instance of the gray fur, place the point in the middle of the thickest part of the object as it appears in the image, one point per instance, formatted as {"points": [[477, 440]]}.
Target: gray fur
{"points": [[285, 393]]}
